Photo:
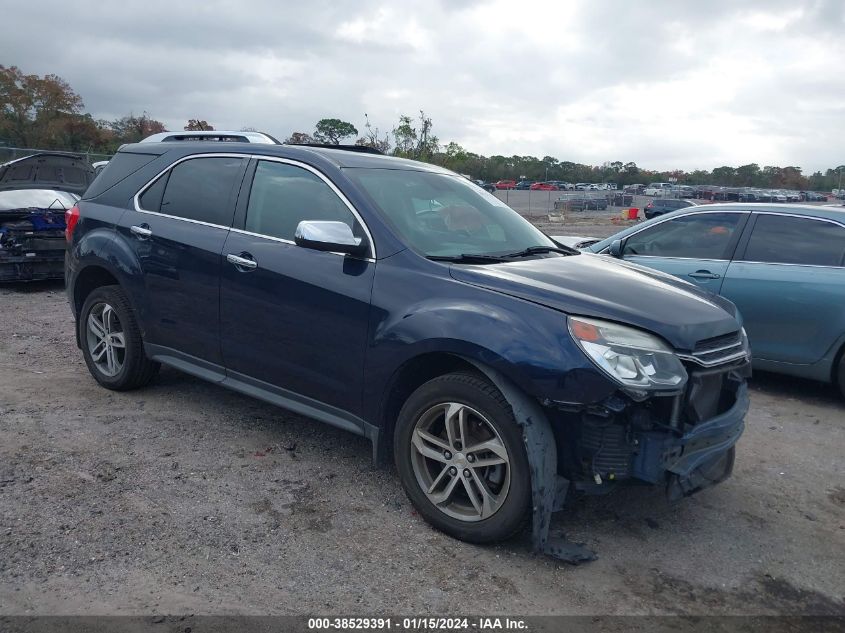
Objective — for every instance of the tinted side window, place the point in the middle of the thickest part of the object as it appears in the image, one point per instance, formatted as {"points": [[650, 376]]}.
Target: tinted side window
{"points": [[697, 236], [150, 200], [283, 195], [199, 189], [788, 240]]}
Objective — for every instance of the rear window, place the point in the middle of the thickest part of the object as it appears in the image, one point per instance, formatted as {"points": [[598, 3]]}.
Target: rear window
{"points": [[123, 164], [789, 240], [196, 189]]}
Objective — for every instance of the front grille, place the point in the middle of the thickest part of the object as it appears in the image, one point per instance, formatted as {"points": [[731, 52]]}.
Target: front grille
{"points": [[718, 350]]}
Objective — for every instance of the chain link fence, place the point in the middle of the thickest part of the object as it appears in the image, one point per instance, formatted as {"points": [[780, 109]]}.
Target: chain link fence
{"points": [[565, 206]]}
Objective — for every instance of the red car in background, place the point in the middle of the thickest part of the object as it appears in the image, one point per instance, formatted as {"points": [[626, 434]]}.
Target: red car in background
{"points": [[543, 186], [506, 184]]}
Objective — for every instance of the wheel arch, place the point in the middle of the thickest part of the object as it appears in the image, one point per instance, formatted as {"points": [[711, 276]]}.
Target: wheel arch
{"points": [[89, 279], [409, 377]]}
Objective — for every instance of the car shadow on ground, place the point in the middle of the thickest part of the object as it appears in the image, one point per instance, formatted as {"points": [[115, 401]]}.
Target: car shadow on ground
{"points": [[797, 388], [31, 287]]}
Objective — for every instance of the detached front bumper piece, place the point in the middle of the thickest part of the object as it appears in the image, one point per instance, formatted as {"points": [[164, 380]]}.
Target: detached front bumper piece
{"points": [[700, 458], [707, 451]]}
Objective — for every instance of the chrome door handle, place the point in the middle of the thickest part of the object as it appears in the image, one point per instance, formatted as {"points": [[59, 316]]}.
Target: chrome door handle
{"points": [[141, 231], [241, 262], [704, 274]]}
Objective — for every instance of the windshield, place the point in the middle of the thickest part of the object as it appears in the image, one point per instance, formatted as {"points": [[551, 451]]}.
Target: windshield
{"points": [[36, 199], [442, 215]]}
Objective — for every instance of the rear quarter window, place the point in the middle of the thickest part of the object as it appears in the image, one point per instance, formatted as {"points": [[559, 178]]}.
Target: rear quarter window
{"points": [[789, 240], [122, 165]]}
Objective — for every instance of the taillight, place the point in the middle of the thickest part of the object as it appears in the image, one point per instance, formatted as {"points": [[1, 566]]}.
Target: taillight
{"points": [[650, 205], [71, 218]]}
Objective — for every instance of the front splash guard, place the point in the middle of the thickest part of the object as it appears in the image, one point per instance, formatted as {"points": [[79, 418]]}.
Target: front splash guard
{"points": [[548, 489]]}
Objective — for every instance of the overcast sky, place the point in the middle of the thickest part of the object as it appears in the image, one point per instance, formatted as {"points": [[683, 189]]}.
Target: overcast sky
{"points": [[666, 84]]}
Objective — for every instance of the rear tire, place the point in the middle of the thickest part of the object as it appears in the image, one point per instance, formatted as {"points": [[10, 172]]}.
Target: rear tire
{"points": [[482, 458], [111, 341], [840, 373]]}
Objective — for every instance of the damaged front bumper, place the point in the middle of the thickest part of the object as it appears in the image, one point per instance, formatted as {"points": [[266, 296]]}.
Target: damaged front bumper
{"points": [[684, 441], [699, 458]]}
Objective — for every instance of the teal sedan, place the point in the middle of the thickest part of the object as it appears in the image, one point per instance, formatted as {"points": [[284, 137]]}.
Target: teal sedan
{"points": [[782, 265]]}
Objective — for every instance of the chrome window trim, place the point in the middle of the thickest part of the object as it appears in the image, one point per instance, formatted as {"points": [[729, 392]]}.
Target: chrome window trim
{"points": [[258, 157], [292, 243], [266, 237]]}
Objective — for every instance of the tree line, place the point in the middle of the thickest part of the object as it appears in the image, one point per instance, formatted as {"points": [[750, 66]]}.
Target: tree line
{"points": [[45, 112]]}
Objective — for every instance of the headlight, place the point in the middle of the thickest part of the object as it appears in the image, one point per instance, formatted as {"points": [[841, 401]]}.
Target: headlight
{"points": [[632, 357]]}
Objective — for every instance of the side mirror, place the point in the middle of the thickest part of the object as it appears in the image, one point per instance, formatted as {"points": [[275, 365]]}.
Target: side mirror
{"points": [[615, 249], [334, 237]]}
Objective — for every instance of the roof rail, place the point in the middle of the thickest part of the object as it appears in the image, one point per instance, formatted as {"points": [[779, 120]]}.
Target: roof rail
{"points": [[212, 135], [362, 149]]}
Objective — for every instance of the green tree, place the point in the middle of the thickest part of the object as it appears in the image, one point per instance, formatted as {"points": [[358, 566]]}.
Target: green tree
{"points": [[131, 128], [299, 138], [333, 131], [33, 108], [412, 142]]}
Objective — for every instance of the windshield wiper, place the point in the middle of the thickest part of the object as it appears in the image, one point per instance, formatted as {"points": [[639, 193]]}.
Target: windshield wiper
{"points": [[468, 258], [536, 250]]}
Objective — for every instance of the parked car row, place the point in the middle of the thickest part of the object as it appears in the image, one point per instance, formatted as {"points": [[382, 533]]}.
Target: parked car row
{"points": [[725, 194], [550, 185]]}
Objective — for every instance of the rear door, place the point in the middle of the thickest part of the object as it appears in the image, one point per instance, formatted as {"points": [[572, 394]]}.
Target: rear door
{"points": [[294, 320], [695, 247], [177, 229], [788, 282]]}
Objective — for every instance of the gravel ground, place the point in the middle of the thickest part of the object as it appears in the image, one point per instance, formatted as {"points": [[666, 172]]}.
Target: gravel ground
{"points": [[187, 498]]}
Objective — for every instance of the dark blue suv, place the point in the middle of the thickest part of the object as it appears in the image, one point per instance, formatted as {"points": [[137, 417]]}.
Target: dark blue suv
{"points": [[399, 301]]}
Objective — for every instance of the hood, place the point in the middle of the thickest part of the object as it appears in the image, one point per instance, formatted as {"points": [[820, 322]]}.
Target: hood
{"points": [[600, 287], [47, 170]]}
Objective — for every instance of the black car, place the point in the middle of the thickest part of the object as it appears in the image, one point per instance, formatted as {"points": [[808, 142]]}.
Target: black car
{"points": [[659, 206], [35, 192], [394, 299], [487, 186]]}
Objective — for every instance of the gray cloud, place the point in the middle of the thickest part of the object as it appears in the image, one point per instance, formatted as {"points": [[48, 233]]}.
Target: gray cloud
{"points": [[665, 84]]}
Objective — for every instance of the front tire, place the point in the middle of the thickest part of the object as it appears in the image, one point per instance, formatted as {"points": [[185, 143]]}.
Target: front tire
{"points": [[461, 458], [840, 373], [111, 341]]}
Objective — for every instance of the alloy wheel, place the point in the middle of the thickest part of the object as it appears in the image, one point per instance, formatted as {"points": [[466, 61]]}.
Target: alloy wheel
{"points": [[105, 339], [460, 461]]}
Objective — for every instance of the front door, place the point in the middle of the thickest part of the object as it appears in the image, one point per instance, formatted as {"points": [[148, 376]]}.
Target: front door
{"points": [[294, 319], [695, 247]]}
